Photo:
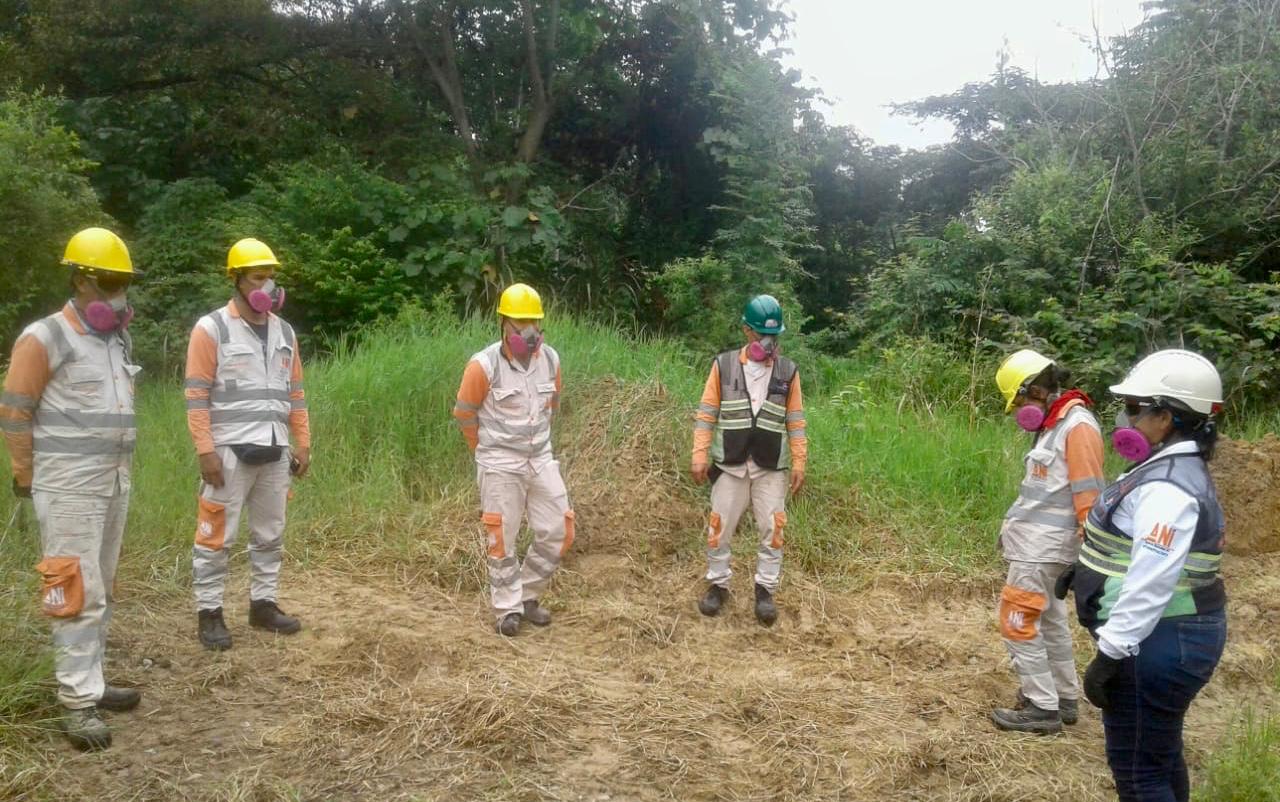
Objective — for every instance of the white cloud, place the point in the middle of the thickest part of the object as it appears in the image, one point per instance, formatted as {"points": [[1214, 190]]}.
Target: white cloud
{"points": [[866, 55]]}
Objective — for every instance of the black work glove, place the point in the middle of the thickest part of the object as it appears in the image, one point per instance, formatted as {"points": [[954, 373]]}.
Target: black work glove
{"points": [[21, 491], [1096, 678], [1063, 584]]}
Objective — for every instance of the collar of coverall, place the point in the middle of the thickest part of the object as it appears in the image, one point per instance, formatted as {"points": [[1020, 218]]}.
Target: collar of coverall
{"points": [[73, 317], [1064, 404]]}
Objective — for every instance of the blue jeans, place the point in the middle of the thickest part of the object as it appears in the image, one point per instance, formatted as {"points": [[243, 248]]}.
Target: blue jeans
{"points": [[1149, 699]]}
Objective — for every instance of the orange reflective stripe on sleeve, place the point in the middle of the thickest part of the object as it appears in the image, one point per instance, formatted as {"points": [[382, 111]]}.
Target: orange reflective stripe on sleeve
{"points": [[708, 414], [23, 385], [202, 366], [797, 436], [1020, 613], [299, 415], [1084, 468], [471, 395]]}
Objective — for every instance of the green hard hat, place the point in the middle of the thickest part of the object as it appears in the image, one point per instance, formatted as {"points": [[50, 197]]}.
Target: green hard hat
{"points": [[764, 314]]}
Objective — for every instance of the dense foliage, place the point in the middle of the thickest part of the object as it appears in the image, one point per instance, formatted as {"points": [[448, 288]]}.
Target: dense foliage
{"points": [[648, 160]]}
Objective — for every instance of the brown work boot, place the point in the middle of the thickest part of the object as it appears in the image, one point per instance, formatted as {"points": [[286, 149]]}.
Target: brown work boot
{"points": [[509, 625], [85, 728], [266, 614], [1028, 719], [119, 700], [536, 614], [712, 600], [213, 630]]}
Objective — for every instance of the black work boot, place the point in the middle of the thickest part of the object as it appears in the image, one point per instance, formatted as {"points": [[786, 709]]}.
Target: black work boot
{"points": [[536, 614], [85, 728], [1068, 709], [213, 631], [266, 614], [766, 610], [509, 625], [1028, 719], [119, 700], [712, 600]]}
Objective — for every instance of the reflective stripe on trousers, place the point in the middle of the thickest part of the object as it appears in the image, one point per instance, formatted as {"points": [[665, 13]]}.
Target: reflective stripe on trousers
{"points": [[91, 528], [1044, 663], [263, 491], [505, 499], [767, 495]]}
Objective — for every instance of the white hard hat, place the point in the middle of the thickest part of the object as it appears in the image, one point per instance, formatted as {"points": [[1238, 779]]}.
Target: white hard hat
{"points": [[1178, 375]]}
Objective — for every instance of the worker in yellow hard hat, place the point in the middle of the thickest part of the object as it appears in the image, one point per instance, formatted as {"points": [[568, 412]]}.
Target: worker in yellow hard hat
{"points": [[245, 401], [509, 393], [67, 413], [1040, 538]]}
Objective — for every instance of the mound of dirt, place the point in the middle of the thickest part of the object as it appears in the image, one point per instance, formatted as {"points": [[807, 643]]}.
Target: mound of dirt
{"points": [[1248, 478], [622, 453]]}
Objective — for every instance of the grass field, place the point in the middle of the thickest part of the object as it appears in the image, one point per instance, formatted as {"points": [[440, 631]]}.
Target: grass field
{"points": [[904, 479]]}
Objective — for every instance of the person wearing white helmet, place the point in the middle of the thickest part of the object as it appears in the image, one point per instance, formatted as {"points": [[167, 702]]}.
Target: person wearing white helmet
{"points": [[1147, 582]]}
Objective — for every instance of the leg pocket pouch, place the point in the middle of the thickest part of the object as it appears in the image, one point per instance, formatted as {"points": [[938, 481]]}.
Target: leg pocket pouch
{"points": [[62, 588], [211, 524], [496, 547], [1020, 613]]}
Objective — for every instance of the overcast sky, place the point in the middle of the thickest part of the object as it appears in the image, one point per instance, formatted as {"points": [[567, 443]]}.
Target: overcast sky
{"points": [[865, 54]]}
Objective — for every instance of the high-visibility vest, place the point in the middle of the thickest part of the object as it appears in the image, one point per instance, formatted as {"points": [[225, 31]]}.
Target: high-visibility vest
{"points": [[83, 431], [739, 434], [1045, 506], [515, 417], [249, 401], [1105, 555]]}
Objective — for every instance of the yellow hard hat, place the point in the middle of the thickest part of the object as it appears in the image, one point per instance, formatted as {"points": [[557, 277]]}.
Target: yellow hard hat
{"points": [[98, 249], [250, 252], [520, 301], [1016, 370]]}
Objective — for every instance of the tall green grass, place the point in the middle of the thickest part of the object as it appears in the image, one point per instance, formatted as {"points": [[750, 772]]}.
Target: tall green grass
{"points": [[1246, 767]]}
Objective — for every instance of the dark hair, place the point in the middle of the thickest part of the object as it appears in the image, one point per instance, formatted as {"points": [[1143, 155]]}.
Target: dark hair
{"points": [[1191, 425], [1053, 379]]}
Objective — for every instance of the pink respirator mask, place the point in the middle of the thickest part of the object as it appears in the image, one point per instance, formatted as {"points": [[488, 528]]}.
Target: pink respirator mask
{"points": [[762, 350], [524, 341], [106, 316], [1030, 418], [269, 298], [1128, 442]]}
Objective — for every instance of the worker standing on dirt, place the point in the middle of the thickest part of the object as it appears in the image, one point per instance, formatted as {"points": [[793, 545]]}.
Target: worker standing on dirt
{"points": [[748, 439], [1040, 538], [244, 399], [509, 393], [1147, 584], [67, 416]]}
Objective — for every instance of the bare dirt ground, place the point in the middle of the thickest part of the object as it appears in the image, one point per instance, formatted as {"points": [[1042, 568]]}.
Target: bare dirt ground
{"points": [[399, 691], [398, 688]]}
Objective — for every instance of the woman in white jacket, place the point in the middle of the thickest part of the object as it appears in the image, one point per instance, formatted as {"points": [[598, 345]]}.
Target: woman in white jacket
{"points": [[1147, 584]]}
